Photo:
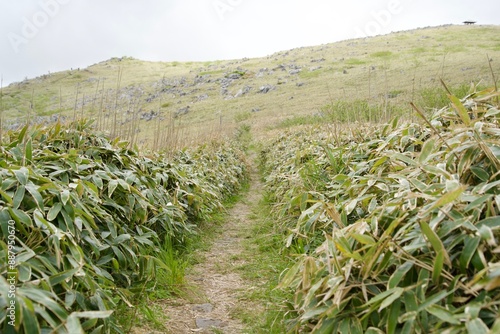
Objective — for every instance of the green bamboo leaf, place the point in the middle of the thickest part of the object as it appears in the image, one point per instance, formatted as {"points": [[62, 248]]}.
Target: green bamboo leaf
{"points": [[111, 187], [427, 149], [490, 185], [20, 217], [399, 274], [18, 196], [32, 189], [65, 195], [54, 211], [470, 247], [29, 318], [460, 109], [62, 276], [437, 267], [491, 222], [396, 293], [121, 238], [327, 326], [41, 222], [443, 314], [434, 299], [6, 197], [303, 201], [436, 242], [404, 158], [22, 133], [97, 181], [408, 327], [44, 298], [70, 298], [350, 325], [477, 326], [93, 314], [124, 184], [22, 175], [480, 173], [351, 206], [379, 162], [392, 319], [381, 296], [447, 198], [291, 275], [364, 239], [496, 326], [119, 254], [313, 312], [410, 300], [382, 186], [73, 325], [28, 151], [24, 272], [478, 203]]}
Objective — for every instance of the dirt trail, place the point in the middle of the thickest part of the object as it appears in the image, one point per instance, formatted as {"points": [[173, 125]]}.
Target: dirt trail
{"points": [[217, 284]]}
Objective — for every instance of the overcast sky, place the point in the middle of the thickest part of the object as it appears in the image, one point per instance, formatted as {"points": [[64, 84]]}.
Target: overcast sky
{"points": [[38, 36]]}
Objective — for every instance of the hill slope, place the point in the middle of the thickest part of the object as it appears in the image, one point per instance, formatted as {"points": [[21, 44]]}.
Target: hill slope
{"points": [[142, 100]]}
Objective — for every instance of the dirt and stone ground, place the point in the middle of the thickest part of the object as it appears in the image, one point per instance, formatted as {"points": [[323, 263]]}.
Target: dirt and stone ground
{"points": [[217, 290]]}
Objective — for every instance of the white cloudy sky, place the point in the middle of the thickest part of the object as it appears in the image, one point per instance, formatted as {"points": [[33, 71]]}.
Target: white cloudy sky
{"points": [[38, 36]]}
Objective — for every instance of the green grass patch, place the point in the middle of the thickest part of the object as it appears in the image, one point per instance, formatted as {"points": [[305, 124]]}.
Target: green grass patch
{"points": [[455, 48], [242, 116], [299, 120], [361, 111], [265, 263], [355, 61], [419, 50], [310, 74], [382, 54]]}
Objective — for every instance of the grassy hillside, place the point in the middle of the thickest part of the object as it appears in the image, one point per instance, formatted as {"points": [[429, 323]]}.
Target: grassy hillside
{"points": [[159, 103]]}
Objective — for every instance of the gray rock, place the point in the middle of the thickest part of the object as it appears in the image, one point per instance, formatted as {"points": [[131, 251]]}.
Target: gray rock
{"points": [[182, 111], [208, 323], [233, 76], [280, 67], [318, 60], [202, 97], [243, 91], [204, 308], [266, 89], [201, 79], [149, 116]]}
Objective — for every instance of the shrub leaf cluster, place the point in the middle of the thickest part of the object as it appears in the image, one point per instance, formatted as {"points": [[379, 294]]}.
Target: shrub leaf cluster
{"points": [[90, 215], [397, 227]]}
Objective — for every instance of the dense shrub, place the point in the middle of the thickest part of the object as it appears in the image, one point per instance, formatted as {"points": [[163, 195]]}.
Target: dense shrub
{"points": [[398, 226], [84, 217]]}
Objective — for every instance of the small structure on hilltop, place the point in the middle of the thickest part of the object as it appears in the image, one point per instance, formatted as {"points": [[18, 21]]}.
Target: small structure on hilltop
{"points": [[469, 22]]}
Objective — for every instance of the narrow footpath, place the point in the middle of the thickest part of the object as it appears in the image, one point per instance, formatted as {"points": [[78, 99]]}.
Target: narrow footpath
{"points": [[217, 285]]}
